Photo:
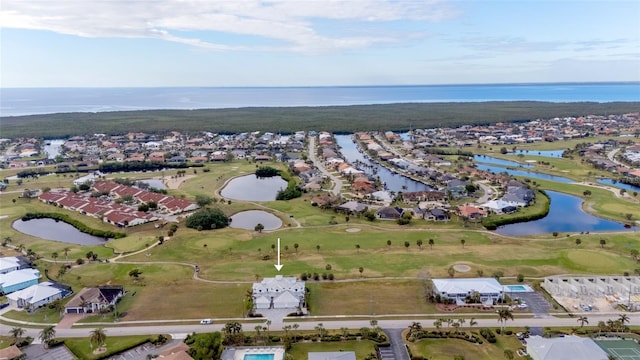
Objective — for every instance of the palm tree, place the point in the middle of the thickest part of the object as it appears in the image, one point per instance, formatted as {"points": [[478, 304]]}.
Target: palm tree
{"points": [[54, 255], [97, 336], [431, 242], [407, 244], [472, 323], [358, 248], [321, 330], [258, 329], [463, 241], [66, 252], [296, 246], [437, 324], [419, 243], [295, 326], [603, 242], [318, 248], [360, 269], [388, 243], [623, 318], [583, 320], [47, 334], [16, 333], [504, 314]]}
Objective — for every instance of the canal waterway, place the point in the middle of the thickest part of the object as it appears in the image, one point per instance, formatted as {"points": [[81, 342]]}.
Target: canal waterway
{"points": [[49, 229], [619, 185], [392, 180], [525, 173], [565, 215]]}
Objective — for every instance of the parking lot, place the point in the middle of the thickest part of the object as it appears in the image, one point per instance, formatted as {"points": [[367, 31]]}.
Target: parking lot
{"points": [[536, 303]]}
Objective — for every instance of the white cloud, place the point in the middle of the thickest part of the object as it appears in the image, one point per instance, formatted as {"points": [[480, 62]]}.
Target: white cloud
{"points": [[293, 25]]}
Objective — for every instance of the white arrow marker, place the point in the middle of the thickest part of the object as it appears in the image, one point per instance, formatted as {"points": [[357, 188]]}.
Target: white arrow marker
{"points": [[278, 265]]}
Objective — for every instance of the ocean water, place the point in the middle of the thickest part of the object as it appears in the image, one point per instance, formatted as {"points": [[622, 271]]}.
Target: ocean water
{"points": [[28, 101]]}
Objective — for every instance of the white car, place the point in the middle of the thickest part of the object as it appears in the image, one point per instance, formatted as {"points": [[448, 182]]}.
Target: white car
{"points": [[205, 321]]}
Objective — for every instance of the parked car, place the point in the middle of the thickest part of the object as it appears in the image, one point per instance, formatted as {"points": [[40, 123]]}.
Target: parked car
{"points": [[205, 321]]}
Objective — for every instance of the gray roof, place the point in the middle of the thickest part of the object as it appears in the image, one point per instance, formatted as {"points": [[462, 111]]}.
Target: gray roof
{"points": [[564, 348], [332, 355]]}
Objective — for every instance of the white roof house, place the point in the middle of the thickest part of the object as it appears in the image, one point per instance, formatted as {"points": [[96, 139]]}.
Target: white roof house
{"points": [[18, 280], [489, 289], [9, 264], [332, 355], [279, 293], [35, 296], [564, 348]]}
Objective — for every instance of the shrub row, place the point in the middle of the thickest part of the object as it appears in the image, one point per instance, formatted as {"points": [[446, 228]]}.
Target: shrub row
{"points": [[106, 234]]}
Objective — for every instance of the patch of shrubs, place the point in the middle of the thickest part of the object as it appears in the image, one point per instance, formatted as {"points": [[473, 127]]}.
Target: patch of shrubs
{"points": [[488, 335]]}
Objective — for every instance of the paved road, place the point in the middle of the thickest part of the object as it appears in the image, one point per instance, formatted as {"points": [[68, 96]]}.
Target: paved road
{"points": [[397, 345], [180, 331], [337, 182]]}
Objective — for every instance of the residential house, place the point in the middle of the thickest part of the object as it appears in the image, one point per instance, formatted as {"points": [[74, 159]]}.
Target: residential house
{"points": [[332, 355], [11, 263], [436, 215], [279, 292], [35, 296], [457, 290], [568, 347], [18, 280], [94, 299], [389, 212]]}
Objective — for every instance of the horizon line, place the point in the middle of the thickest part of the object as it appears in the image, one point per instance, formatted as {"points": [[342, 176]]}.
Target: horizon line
{"points": [[323, 86]]}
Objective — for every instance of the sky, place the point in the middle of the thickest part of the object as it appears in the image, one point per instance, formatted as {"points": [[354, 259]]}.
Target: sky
{"points": [[150, 43]]}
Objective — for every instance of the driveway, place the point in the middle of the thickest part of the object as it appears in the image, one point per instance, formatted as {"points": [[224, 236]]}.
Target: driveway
{"points": [[397, 351]]}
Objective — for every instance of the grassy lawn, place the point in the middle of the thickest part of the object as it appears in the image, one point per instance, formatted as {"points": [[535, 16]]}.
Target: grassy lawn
{"points": [[82, 348], [446, 349], [300, 351]]}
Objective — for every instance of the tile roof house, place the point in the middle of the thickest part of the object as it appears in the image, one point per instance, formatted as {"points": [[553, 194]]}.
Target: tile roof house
{"points": [[279, 292], [89, 300]]}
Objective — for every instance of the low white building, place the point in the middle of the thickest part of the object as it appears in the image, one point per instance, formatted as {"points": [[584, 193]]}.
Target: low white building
{"points": [[489, 289], [279, 293], [9, 264], [35, 296], [564, 348]]}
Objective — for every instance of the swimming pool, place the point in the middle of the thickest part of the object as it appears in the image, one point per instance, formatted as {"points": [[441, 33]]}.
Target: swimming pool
{"points": [[518, 288], [259, 356]]}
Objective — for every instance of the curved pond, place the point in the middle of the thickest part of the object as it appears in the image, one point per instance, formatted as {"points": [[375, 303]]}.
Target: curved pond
{"points": [[619, 185], [565, 215], [496, 161], [249, 219], [252, 188], [50, 229], [525, 173], [393, 181]]}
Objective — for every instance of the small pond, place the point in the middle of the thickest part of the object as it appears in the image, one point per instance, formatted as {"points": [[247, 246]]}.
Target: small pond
{"points": [[619, 185], [154, 183], [496, 161], [249, 219], [565, 215], [525, 173], [252, 188], [50, 229]]}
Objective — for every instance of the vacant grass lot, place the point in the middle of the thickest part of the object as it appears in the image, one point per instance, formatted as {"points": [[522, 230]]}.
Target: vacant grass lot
{"points": [[446, 349], [83, 349]]}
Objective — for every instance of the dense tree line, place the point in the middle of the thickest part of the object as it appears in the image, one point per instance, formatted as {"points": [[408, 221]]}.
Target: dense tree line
{"points": [[338, 119], [267, 171], [112, 167]]}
